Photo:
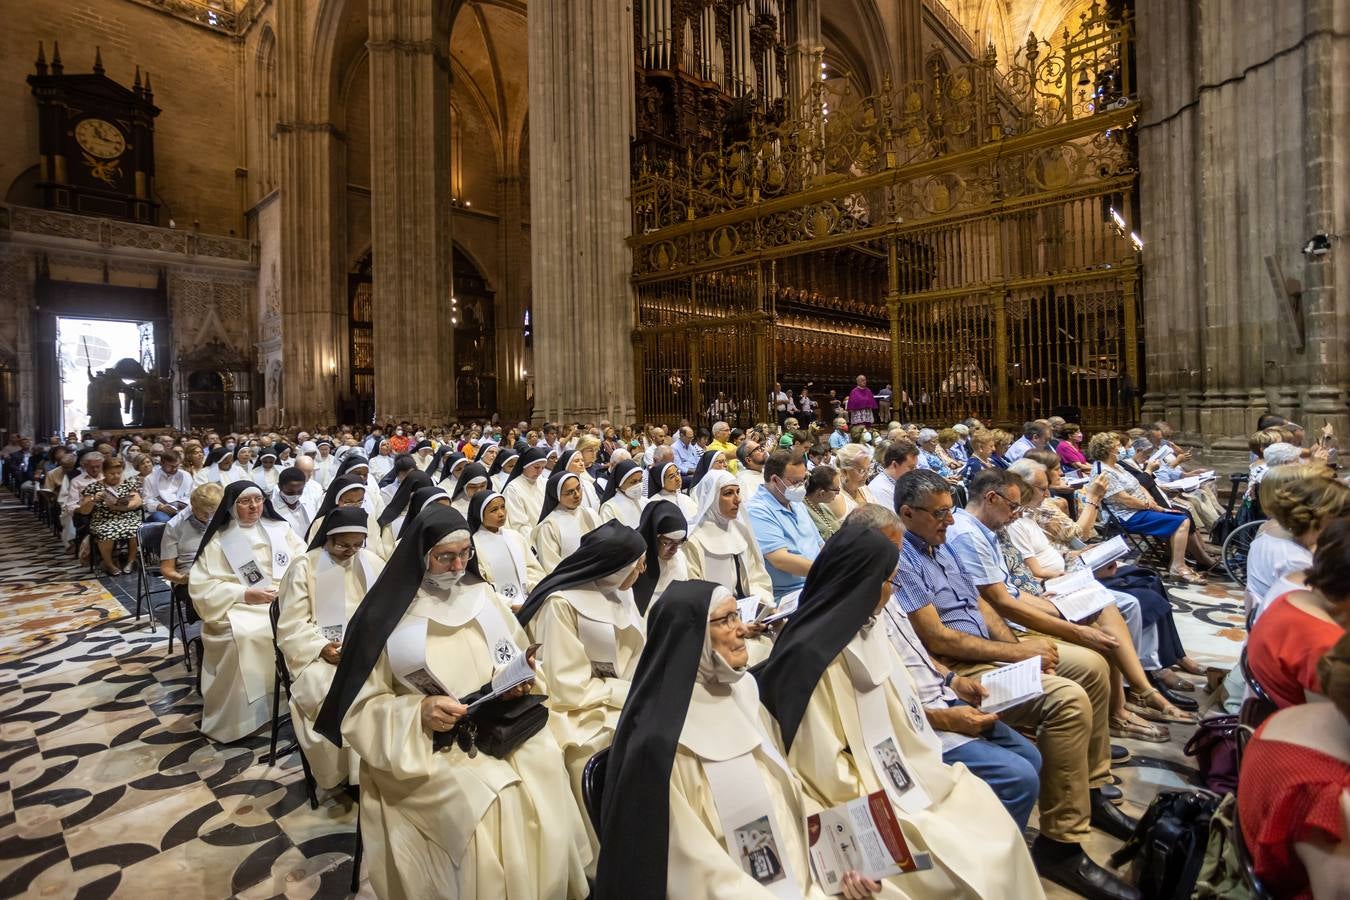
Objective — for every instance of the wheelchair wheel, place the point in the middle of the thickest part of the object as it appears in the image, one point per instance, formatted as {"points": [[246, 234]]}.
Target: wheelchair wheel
{"points": [[1235, 548]]}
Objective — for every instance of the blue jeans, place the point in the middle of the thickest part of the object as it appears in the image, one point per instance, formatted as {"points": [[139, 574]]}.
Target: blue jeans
{"points": [[159, 516], [1008, 763]]}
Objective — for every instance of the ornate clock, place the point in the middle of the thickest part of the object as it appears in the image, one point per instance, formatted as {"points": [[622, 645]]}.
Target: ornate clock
{"points": [[97, 141]]}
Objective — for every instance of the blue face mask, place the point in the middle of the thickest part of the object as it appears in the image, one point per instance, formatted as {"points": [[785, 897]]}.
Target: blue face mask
{"points": [[1122, 454]]}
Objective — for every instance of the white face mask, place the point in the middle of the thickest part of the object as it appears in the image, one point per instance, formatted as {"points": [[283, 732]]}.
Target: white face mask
{"points": [[445, 580], [633, 492], [291, 502], [795, 494], [612, 581]]}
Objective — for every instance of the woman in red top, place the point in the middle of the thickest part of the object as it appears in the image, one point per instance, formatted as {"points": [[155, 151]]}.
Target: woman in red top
{"points": [[1299, 627], [400, 441], [1294, 790]]}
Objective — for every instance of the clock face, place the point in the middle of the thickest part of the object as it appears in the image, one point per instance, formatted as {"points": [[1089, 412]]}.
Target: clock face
{"points": [[100, 138]]}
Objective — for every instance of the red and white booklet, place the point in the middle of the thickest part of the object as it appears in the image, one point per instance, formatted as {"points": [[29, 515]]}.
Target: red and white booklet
{"points": [[860, 836]]}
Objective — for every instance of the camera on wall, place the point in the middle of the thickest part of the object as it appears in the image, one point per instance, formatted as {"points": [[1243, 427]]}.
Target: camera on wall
{"points": [[1318, 245]]}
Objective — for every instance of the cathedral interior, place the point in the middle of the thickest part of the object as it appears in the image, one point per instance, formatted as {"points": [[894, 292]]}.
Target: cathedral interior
{"points": [[337, 210]]}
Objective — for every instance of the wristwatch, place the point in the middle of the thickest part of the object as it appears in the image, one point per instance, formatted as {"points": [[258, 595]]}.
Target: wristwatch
{"points": [[947, 682]]}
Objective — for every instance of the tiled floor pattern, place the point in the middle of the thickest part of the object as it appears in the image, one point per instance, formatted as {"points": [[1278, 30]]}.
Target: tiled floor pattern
{"points": [[107, 788]]}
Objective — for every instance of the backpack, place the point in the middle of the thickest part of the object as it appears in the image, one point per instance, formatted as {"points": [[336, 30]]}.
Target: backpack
{"points": [[1168, 846], [1220, 876], [1214, 746]]}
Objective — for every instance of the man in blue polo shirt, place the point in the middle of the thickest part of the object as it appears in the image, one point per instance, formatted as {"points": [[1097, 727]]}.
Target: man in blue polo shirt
{"points": [[1070, 717], [783, 528]]}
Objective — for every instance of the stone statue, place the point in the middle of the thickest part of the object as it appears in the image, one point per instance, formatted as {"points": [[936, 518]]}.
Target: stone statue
{"points": [[105, 402]]}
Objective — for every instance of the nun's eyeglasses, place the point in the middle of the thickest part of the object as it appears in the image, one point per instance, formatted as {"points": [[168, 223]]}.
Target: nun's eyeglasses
{"points": [[447, 557], [730, 620]]}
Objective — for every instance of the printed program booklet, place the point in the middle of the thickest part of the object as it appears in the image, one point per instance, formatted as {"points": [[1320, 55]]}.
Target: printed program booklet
{"points": [[860, 836]]}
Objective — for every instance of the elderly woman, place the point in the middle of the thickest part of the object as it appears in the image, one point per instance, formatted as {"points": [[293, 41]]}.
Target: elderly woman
{"points": [[524, 491], [721, 548], [822, 490], [852, 724], [113, 506], [440, 815], [321, 590], [1300, 500], [243, 556], [694, 740], [585, 615], [1002, 440], [1136, 510], [854, 462]]}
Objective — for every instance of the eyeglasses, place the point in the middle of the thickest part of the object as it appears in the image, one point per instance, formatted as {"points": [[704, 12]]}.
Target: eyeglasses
{"points": [[448, 557], [939, 514], [1012, 506], [730, 620], [669, 543]]}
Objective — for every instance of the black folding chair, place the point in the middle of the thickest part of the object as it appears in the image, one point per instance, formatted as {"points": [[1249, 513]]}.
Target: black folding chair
{"points": [[593, 786], [148, 539], [283, 679], [1258, 707]]}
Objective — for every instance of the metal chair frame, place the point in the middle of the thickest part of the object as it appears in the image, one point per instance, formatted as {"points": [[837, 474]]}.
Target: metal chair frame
{"points": [[148, 568], [283, 679]]}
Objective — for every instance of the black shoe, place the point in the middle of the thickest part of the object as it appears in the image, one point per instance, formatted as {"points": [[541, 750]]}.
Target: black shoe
{"points": [[1109, 819], [1111, 794], [1080, 874], [1120, 755], [1176, 698]]}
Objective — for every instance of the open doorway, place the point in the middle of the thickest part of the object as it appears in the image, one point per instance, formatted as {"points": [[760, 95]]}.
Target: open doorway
{"points": [[103, 365]]}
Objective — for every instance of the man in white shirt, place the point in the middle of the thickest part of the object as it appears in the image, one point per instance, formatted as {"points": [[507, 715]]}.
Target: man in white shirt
{"points": [[313, 491], [751, 456], [901, 456], [167, 489], [1035, 436], [290, 502]]}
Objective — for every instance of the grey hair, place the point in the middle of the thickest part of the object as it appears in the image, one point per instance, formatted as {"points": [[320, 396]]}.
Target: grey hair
{"points": [[849, 454], [874, 515], [1281, 453], [916, 486], [1027, 468], [926, 435], [718, 426]]}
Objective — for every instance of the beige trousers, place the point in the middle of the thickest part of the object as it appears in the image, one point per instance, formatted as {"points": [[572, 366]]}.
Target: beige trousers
{"points": [[1072, 725]]}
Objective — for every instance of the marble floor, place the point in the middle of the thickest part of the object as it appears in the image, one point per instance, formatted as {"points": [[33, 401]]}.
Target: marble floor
{"points": [[107, 788]]}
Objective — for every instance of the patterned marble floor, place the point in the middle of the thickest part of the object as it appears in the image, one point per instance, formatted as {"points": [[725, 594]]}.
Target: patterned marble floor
{"points": [[107, 788]]}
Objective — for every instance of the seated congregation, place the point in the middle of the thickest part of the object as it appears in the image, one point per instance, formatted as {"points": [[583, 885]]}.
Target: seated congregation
{"points": [[612, 662]]}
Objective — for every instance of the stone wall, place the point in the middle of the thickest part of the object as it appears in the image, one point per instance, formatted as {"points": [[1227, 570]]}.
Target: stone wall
{"points": [[196, 78], [1242, 160]]}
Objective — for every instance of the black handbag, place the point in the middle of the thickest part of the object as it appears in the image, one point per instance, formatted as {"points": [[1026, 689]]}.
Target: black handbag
{"points": [[497, 727]]}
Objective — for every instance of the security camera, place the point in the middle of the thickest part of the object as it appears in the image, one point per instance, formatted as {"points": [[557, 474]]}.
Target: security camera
{"points": [[1318, 245]]}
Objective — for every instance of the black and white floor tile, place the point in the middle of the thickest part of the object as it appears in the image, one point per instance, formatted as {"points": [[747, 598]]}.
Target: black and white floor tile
{"points": [[108, 789]]}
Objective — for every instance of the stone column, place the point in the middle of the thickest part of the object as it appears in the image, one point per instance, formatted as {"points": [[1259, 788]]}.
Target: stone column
{"points": [[909, 44], [802, 64], [581, 120], [410, 209], [313, 227], [1239, 168], [513, 297]]}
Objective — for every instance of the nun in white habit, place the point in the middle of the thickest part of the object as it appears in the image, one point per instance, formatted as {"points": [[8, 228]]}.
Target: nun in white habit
{"points": [[695, 759], [721, 547], [321, 590], [473, 479], [563, 520], [584, 615], [440, 816], [219, 469], [622, 499], [573, 461], [853, 724], [663, 483], [663, 529], [502, 467], [266, 473], [244, 554], [524, 492], [395, 513], [345, 492], [501, 556], [356, 465]]}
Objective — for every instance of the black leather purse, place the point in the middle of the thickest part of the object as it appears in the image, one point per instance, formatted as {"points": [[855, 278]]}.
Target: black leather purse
{"points": [[497, 727]]}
